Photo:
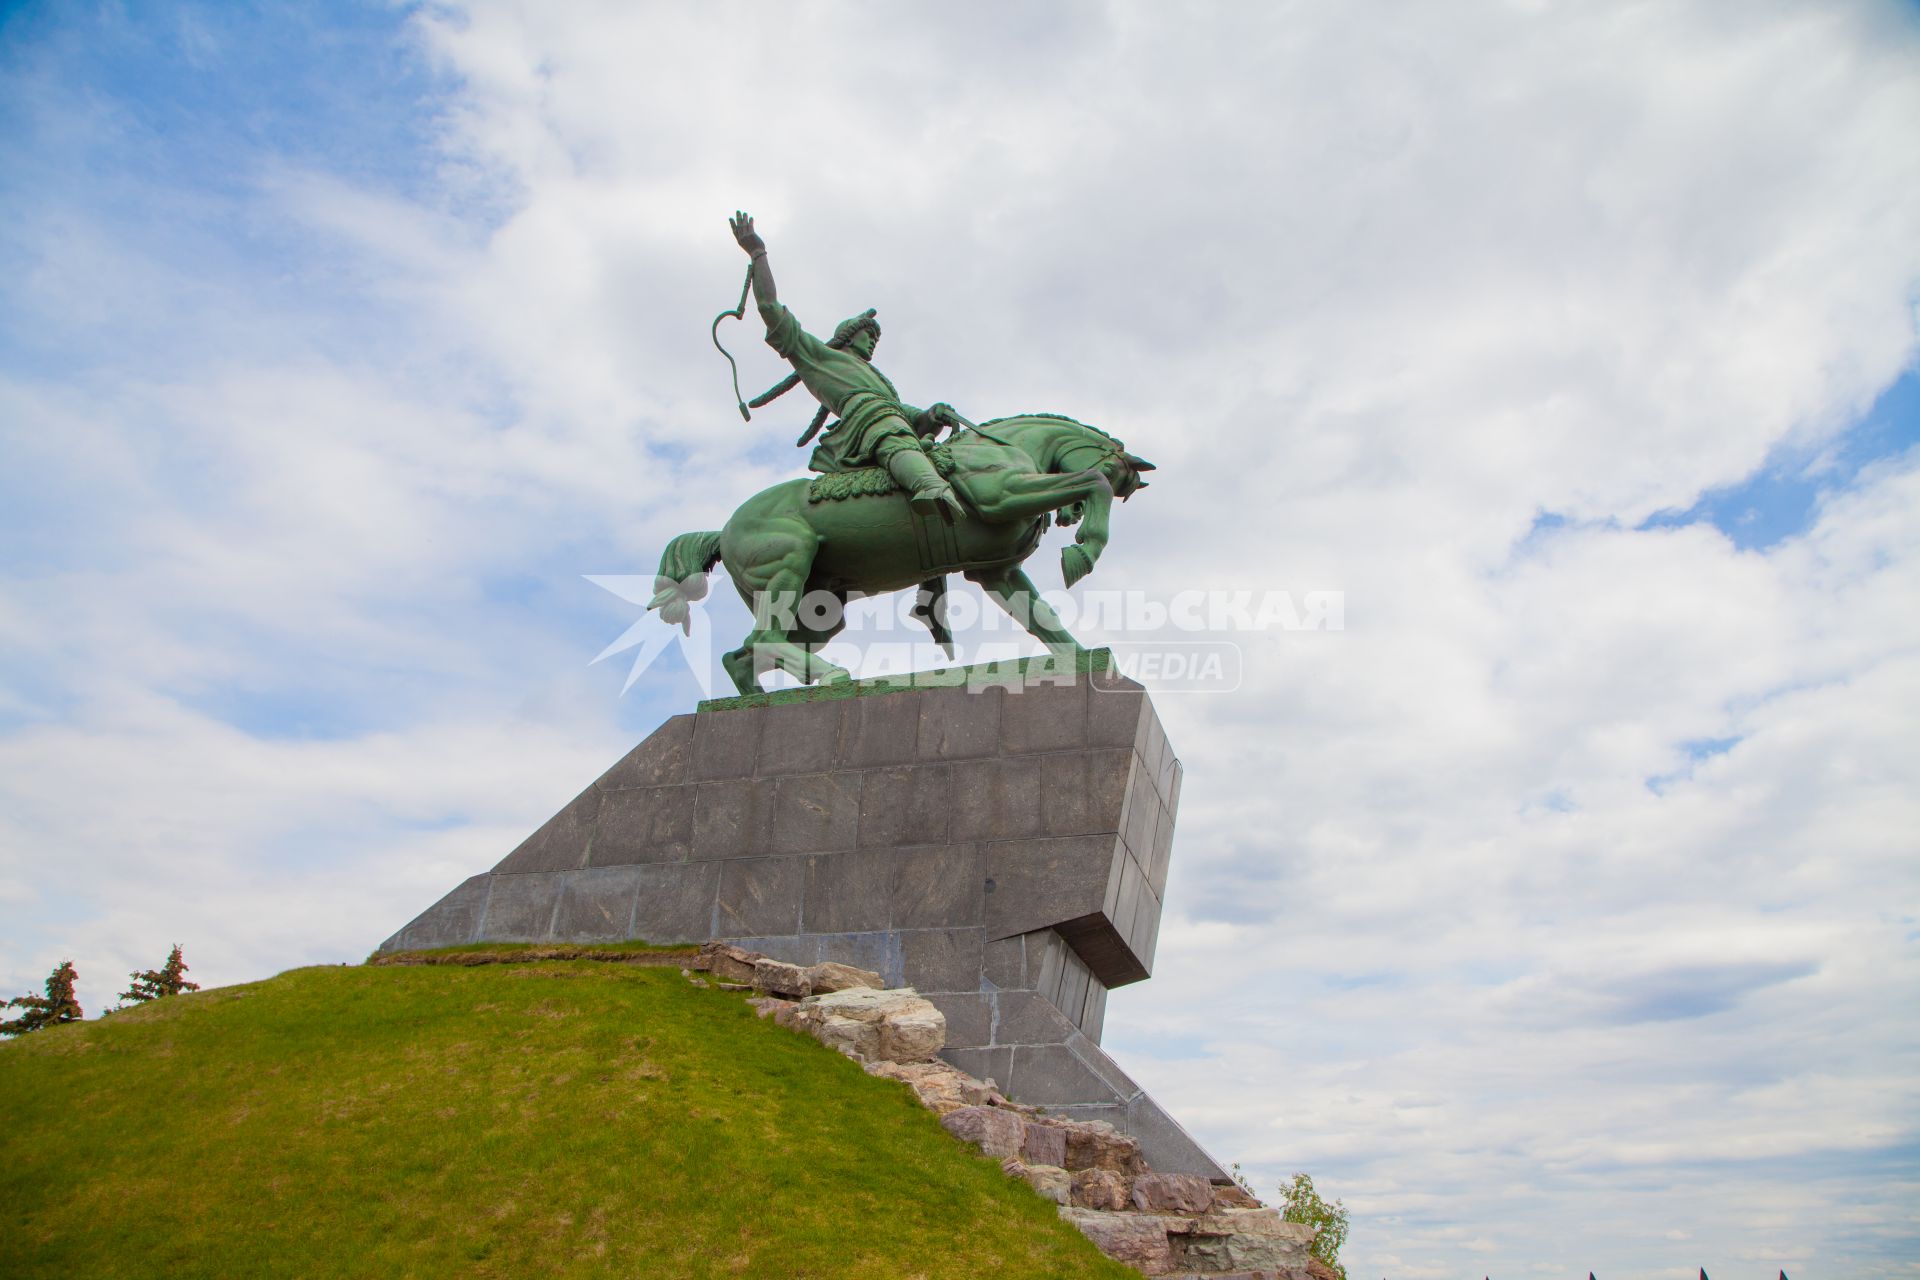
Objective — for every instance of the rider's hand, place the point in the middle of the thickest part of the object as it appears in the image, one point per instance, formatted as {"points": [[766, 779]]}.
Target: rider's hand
{"points": [[944, 415], [744, 234]]}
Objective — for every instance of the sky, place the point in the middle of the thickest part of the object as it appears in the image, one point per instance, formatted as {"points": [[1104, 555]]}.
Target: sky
{"points": [[1557, 911]]}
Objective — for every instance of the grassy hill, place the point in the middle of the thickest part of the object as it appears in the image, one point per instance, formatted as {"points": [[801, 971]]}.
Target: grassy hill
{"points": [[556, 1118]]}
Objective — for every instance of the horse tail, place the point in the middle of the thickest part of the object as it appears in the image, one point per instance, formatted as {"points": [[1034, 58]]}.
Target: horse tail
{"points": [[683, 575]]}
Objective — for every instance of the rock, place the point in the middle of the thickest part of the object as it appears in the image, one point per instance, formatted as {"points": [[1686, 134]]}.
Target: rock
{"points": [[1137, 1239], [766, 1006], [699, 982], [862, 1004], [1318, 1270], [727, 962], [940, 1088], [1172, 1193], [1100, 1189], [1246, 1240], [996, 1132], [913, 1034], [1094, 1144], [910, 1027], [777, 977], [1051, 1181], [831, 975], [853, 1038], [1044, 1144], [1234, 1196]]}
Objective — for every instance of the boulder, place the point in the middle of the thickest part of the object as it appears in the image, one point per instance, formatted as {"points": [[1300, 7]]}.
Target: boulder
{"points": [[996, 1132], [1094, 1144], [913, 1034], [1234, 1196], [853, 1038], [777, 977], [831, 975], [1172, 1193], [1318, 1270], [909, 1027], [1051, 1181], [1247, 1240], [1044, 1144], [1137, 1239], [940, 1088], [1100, 1189], [727, 962]]}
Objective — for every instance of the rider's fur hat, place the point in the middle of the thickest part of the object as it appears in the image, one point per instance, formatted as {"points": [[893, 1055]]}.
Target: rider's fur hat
{"points": [[844, 331]]}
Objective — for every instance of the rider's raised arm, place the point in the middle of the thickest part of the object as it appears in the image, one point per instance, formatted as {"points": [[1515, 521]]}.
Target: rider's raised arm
{"points": [[756, 248]]}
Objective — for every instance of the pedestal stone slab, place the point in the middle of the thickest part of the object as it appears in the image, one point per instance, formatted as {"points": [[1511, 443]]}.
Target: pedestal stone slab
{"points": [[996, 837]]}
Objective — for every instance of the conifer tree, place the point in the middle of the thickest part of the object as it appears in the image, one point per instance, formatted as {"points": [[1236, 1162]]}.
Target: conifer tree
{"points": [[170, 979], [58, 1005]]}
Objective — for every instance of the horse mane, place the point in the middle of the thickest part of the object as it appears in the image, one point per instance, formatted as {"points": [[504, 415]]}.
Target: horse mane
{"points": [[1058, 417]]}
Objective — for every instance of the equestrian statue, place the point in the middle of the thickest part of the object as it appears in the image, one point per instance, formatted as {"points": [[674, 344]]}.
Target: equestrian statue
{"points": [[892, 507]]}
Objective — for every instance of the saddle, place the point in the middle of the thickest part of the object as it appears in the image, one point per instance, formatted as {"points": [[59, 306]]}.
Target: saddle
{"points": [[870, 482]]}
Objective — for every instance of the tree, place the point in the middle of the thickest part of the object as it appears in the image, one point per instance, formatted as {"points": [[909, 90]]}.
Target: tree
{"points": [[170, 979], [1301, 1203], [58, 1005]]}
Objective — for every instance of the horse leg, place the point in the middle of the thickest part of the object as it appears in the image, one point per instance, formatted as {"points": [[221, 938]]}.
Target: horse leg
{"points": [[771, 581], [1004, 496], [1013, 591]]}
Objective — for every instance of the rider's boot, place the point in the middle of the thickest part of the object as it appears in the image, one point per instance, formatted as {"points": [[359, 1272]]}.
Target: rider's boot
{"points": [[927, 493]]}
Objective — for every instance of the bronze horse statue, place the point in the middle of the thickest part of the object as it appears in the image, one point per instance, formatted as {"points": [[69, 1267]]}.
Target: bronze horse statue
{"points": [[854, 534]]}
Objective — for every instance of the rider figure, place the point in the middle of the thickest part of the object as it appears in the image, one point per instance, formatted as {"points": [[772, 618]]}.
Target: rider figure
{"points": [[875, 428]]}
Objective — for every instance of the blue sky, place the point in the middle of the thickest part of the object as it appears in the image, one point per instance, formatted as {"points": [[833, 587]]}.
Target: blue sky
{"points": [[1551, 913]]}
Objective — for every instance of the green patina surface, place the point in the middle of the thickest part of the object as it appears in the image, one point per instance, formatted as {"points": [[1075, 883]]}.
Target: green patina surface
{"points": [[1042, 668]]}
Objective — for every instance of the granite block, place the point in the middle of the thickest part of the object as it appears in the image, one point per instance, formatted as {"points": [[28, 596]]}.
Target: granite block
{"points": [[814, 812], [643, 824], [732, 819], [1093, 1017], [878, 951], [1113, 713], [761, 896], [938, 887], [1050, 1075], [1143, 810], [1003, 964], [942, 959], [726, 744], [520, 907], [799, 737], [1162, 851], [996, 799], [596, 905], [1083, 792], [969, 1017], [1152, 744], [1026, 1018], [906, 805], [660, 761], [1044, 717], [1166, 1146], [959, 723], [1038, 883], [995, 1064], [452, 921], [802, 948], [878, 731], [561, 842], [848, 892], [674, 901]]}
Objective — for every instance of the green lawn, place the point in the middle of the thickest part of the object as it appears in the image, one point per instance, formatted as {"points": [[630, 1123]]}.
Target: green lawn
{"points": [[561, 1118]]}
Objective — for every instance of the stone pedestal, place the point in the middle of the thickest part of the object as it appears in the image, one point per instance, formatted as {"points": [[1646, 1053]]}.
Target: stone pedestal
{"points": [[996, 838]]}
